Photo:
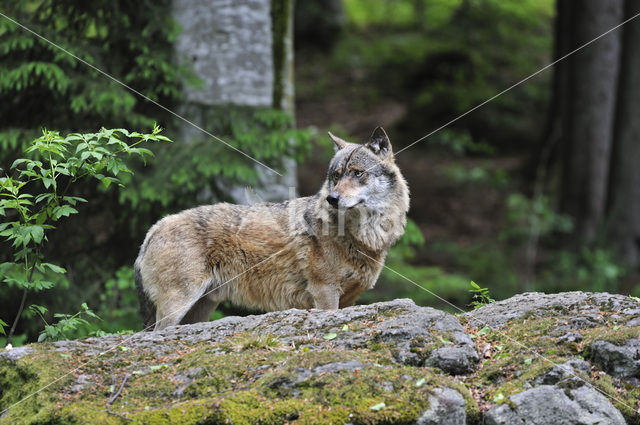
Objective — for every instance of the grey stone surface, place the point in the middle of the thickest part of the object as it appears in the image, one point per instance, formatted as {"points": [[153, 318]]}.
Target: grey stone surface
{"points": [[338, 366], [550, 405], [570, 337], [15, 353], [573, 370], [634, 322], [403, 326], [621, 361], [587, 305], [304, 374], [446, 407], [456, 360], [404, 334]]}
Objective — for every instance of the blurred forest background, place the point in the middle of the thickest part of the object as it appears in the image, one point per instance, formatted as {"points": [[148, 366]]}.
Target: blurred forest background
{"points": [[538, 190]]}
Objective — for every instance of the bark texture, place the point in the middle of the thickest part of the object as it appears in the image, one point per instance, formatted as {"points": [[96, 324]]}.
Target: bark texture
{"points": [[590, 113], [624, 206], [229, 46], [243, 55]]}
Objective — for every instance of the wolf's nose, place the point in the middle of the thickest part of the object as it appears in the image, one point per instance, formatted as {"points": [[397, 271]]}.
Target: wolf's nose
{"points": [[333, 199]]}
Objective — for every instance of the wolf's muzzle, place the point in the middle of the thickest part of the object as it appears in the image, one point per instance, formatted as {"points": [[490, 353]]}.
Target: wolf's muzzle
{"points": [[333, 199]]}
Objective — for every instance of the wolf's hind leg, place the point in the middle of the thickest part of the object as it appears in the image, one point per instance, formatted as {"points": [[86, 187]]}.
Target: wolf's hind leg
{"points": [[201, 311], [166, 316], [172, 308]]}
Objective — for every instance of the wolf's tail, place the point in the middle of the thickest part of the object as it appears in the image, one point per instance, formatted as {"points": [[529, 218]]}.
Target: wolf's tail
{"points": [[147, 307]]}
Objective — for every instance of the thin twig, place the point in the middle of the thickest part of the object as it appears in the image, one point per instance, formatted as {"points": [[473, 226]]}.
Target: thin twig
{"points": [[71, 179], [115, 396], [15, 321], [24, 298]]}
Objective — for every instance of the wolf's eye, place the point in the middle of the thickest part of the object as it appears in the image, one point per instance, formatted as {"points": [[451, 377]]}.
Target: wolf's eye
{"points": [[358, 173]]}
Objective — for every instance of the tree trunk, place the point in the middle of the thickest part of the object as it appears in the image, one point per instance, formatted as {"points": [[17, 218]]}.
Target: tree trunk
{"points": [[624, 193], [553, 132], [593, 76], [243, 55]]}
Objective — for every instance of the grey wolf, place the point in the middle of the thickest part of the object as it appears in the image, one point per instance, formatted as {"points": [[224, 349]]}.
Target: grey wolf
{"points": [[319, 251]]}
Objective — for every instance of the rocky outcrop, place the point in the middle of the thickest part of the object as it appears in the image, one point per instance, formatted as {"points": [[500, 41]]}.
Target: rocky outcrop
{"points": [[548, 404], [567, 358]]}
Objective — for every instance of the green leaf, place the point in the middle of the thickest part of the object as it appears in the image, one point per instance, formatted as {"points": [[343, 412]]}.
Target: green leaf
{"points": [[38, 309], [37, 233], [63, 211], [18, 162], [156, 367], [73, 199], [378, 406], [483, 331], [5, 267], [330, 336], [54, 268]]}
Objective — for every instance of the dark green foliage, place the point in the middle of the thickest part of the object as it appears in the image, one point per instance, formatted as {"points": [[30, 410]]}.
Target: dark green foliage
{"points": [[444, 57], [42, 86], [35, 195], [182, 171], [68, 326], [45, 87], [49, 88]]}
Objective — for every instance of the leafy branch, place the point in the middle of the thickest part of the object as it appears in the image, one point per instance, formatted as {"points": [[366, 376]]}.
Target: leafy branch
{"points": [[31, 201]]}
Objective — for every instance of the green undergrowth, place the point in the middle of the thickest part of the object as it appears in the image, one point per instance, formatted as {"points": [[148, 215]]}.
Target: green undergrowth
{"points": [[248, 379]]}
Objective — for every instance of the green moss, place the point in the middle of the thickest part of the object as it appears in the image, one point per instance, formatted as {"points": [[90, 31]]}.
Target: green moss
{"points": [[616, 334], [258, 383], [22, 385], [249, 340], [250, 378], [627, 397], [529, 347]]}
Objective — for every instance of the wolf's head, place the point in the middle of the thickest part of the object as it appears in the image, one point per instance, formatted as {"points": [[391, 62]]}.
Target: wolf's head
{"points": [[365, 175], [364, 193]]}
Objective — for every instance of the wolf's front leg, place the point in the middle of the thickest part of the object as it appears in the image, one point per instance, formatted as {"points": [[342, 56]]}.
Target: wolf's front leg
{"points": [[325, 296]]}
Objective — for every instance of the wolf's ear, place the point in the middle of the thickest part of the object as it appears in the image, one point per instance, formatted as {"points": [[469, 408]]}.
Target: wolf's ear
{"points": [[379, 143], [339, 143]]}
